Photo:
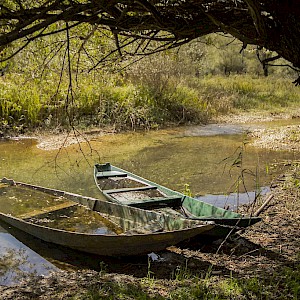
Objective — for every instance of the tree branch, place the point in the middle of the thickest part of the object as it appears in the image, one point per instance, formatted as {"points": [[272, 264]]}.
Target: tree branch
{"points": [[273, 24], [255, 12]]}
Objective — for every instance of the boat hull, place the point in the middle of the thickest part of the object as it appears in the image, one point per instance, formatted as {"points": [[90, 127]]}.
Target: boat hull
{"points": [[171, 232], [192, 208], [121, 245]]}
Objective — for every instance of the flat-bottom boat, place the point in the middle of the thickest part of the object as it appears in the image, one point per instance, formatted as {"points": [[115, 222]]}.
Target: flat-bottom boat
{"points": [[120, 186], [91, 225]]}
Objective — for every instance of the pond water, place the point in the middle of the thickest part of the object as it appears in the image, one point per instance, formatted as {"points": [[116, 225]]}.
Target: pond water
{"points": [[214, 162]]}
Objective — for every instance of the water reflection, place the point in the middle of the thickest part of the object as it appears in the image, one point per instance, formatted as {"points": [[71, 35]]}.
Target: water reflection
{"points": [[207, 164], [23, 255], [171, 158], [233, 200], [18, 261]]}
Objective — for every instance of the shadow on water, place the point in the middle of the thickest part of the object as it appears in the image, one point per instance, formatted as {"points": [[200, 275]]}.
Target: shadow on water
{"points": [[30, 255]]}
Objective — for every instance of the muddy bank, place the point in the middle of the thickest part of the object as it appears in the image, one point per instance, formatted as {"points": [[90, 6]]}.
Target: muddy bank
{"points": [[279, 138]]}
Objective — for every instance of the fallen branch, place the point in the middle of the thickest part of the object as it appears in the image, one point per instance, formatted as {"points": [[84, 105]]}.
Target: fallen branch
{"points": [[260, 210]]}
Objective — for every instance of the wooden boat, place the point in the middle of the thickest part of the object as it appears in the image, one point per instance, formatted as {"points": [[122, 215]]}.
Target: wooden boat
{"points": [[123, 187], [91, 225]]}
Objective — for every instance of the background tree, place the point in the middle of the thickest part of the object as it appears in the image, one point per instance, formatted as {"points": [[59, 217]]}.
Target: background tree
{"points": [[272, 24]]}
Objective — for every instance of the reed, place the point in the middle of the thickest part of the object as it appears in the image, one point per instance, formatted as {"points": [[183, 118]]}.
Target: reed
{"points": [[245, 92], [102, 101]]}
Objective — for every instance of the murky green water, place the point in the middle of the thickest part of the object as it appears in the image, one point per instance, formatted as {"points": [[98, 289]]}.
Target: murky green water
{"points": [[171, 157], [18, 201], [53, 211], [209, 164]]}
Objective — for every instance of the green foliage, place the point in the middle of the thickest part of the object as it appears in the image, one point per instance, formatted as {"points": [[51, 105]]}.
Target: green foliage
{"points": [[187, 85], [31, 102], [246, 92], [20, 105], [113, 290], [187, 190], [285, 285]]}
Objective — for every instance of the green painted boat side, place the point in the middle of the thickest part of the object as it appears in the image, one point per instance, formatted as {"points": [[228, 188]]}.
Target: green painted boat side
{"points": [[133, 241], [192, 208]]}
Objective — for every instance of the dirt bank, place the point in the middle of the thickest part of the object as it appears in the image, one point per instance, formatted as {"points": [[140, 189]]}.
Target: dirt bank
{"points": [[258, 116], [280, 138], [55, 140]]}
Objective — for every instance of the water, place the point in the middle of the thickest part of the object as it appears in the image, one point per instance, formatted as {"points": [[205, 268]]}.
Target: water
{"points": [[19, 201], [18, 261], [205, 158], [76, 219], [233, 200]]}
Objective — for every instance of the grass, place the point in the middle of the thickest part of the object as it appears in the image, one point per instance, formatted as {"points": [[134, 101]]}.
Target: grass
{"points": [[246, 92], [283, 285], [31, 103]]}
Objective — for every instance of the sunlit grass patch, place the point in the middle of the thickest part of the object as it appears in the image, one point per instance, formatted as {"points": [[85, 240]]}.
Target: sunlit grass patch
{"points": [[248, 92], [100, 100]]}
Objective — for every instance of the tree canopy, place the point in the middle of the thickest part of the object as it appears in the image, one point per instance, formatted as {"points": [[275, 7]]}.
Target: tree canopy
{"points": [[272, 24]]}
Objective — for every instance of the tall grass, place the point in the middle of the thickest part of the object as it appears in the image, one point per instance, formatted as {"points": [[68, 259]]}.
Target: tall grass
{"points": [[20, 104], [125, 104], [37, 103], [245, 92]]}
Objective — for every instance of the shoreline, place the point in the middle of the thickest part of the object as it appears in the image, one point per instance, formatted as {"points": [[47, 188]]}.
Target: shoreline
{"points": [[284, 137]]}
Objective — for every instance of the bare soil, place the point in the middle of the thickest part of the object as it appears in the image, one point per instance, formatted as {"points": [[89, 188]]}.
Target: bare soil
{"points": [[55, 140], [282, 138], [258, 116]]}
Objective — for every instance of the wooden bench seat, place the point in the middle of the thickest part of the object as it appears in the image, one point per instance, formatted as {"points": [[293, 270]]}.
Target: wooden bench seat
{"points": [[124, 190], [170, 201], [107, 174], [47, 210]]}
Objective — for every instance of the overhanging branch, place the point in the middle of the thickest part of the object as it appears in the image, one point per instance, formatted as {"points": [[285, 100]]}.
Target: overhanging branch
{"points": [[273, 24]]}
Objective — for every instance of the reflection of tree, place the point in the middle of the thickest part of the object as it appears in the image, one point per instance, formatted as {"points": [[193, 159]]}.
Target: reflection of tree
{"points": [[11, 265], [16, 266]]}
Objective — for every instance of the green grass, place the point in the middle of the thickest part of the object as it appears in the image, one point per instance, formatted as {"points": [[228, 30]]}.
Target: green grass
{"points": [[283, 285], [246, 92], [101, 101]]}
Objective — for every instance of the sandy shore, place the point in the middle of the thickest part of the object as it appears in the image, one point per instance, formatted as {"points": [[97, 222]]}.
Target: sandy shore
{"points": [[278, 138]]}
